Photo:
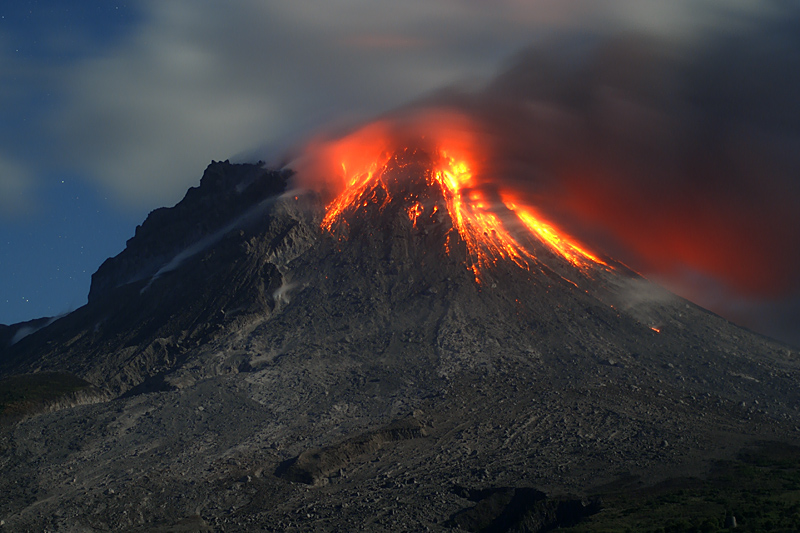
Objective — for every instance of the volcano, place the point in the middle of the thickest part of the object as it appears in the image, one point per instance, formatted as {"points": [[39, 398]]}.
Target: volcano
{"points": [[414, 351]]}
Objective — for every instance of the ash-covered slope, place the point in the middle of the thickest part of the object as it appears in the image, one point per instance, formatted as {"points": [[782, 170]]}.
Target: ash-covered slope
{"points": [[255, 351]]}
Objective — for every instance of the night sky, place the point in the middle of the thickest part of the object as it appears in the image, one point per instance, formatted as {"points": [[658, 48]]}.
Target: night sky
{"points": [[677, 120]]}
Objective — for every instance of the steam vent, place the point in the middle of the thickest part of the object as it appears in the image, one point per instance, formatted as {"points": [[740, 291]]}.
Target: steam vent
{"points": [[400, 345]]}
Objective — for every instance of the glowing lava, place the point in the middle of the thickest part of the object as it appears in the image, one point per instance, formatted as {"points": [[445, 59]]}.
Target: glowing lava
{"points": [[484, 233], [494, 224], [565, 247]]}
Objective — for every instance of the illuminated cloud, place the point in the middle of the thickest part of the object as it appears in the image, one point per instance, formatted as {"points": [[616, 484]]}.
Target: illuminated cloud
{"points": [[679, 157], [204, 80], [143, 113]]}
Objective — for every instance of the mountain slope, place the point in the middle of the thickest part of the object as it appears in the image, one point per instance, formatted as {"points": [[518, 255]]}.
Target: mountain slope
{"points": [[246, 336]]}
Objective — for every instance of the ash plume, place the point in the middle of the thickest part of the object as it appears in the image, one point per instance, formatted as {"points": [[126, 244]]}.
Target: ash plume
{"points": [[678, 157], [684, 158]]}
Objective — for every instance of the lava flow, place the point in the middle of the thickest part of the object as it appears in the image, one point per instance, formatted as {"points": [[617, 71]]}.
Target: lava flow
{"points": [[493, 223]]}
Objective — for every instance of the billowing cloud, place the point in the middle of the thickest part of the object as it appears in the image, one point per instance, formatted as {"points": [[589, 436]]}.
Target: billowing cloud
{"points": [[689, 157], [203, 80], [682, 157], [679, 157]]}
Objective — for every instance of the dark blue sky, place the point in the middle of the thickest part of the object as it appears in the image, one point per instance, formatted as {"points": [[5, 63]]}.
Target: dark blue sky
{"points": [[56, 228], [109, 110]]}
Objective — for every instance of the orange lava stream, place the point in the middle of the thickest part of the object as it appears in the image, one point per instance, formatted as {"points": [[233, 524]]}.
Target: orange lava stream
{"points": [[484, 233], [566, 248], [475, 219], [357, 184]]}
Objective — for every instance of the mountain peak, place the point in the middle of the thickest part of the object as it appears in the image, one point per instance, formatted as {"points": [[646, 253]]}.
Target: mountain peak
{"points": [[226, 191], [438, 192]]}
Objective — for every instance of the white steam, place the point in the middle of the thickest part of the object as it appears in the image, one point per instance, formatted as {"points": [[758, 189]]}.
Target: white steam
{"points": [[24, 331], [281, 294], [210, 240]]}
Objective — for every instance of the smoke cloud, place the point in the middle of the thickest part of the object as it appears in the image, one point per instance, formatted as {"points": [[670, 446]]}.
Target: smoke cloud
{"points": [[194, 81], [681, 158]]}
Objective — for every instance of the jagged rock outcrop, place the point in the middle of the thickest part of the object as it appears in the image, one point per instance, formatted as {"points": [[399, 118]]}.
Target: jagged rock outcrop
{"points": [[226, 192]]}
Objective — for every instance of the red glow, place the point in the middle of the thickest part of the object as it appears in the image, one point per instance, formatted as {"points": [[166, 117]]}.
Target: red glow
{"points": [[567, 248], [414, 212], [689, 226], [495, 227]]}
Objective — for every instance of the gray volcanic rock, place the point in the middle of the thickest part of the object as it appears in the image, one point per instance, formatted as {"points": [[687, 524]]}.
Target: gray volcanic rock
{"points": [[259, 340], [519, 510], [226, 192], [316, 465]]}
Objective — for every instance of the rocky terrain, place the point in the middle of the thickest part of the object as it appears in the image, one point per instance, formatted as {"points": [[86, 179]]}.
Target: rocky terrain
{"points": [[261, 373]]}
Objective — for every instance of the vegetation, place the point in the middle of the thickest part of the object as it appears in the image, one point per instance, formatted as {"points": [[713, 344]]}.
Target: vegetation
{"points": [[29, 393], [761, 489]]}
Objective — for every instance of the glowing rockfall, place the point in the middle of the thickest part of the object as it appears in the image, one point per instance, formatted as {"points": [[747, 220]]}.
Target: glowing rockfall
{"points": [[493, 229]]}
